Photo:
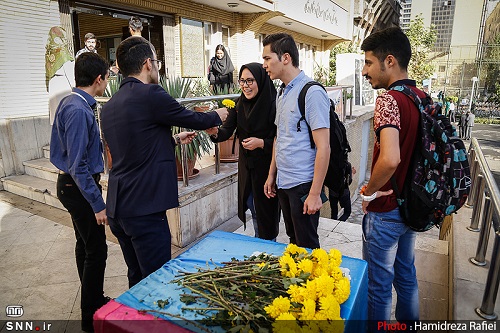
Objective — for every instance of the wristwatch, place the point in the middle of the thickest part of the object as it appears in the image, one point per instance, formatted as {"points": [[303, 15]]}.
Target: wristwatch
{"points": [[367, 198]]}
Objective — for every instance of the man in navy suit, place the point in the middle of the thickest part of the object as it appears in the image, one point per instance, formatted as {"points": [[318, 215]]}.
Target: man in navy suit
{"points": [[137, 124]]}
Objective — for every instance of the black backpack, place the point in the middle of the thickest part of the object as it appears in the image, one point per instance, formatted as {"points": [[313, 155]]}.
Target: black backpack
{"points": [[438, 181], [338, 176]]}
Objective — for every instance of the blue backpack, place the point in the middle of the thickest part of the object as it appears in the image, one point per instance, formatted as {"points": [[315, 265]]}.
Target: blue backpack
{"points": [[438, 181]]}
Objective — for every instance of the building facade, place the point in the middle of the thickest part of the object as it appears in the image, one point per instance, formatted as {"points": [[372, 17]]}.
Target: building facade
{"points": [[184, 33]]}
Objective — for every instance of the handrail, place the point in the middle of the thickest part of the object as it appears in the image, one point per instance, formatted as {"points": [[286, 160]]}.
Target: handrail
{"points": [[491, 184], [196, 100], [483, 184]]}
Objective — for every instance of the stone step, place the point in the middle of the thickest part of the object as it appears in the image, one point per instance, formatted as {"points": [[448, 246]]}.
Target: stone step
{"points": [[46, 151], [38, 189], [41, 168]]}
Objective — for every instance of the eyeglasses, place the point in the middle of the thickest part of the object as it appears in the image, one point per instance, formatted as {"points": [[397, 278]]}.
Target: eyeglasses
{"points": [[248, 82], [157, 61]]}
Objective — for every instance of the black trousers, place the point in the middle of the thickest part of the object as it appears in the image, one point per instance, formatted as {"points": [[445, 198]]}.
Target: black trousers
{"points": [[145, 242], [344, 201], [302, 229], [91, 250]]}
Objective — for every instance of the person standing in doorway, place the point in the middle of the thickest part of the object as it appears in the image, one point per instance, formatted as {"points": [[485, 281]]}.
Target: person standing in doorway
{"points": [[135, 26], [297, 170], [137, 125], [253, 118], [220, 70], [76, 150], [90, 44], [388, 243]]}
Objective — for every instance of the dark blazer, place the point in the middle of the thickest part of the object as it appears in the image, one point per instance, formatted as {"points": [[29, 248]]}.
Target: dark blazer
{"points": [[136, 124]]}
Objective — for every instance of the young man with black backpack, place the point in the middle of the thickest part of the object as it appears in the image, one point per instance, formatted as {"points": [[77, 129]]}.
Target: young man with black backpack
{"points": [[388, 243], [296, 170]]}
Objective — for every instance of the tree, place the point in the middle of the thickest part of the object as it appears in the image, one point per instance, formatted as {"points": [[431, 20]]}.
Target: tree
{"points": [[422, 40], [343, 47], [492, 58]]}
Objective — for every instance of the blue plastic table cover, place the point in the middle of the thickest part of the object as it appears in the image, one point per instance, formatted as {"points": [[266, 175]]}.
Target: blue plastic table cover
{"points": [[218, 247]]}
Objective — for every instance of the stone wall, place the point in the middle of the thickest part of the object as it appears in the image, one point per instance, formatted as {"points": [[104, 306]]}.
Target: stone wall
{"points": [[22, 139]]}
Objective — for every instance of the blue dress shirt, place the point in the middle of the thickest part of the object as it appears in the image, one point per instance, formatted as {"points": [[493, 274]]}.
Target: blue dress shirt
{"points": [[294, 157], [75, 145]]}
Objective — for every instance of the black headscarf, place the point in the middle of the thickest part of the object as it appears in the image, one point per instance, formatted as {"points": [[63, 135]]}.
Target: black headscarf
{"points": [[264, 100], [224, 65]]}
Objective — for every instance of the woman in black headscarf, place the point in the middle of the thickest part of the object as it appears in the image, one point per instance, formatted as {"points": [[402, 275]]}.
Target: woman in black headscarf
{"points": [[253, 119], [220, 70]]}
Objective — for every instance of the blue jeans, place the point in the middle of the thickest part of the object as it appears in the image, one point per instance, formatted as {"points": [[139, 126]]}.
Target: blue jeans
{"points": [[388, 247]]}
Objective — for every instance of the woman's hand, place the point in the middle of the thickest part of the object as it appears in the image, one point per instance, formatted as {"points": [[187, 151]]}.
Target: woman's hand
{"points": [[212, 130], [252, 143]]}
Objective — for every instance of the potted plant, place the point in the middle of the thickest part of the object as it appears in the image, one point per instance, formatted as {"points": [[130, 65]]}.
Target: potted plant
{"points": [[179, 88]]}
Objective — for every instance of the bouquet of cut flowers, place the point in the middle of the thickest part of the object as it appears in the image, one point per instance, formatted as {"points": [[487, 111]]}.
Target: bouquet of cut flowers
{"points": [[296, 292]]}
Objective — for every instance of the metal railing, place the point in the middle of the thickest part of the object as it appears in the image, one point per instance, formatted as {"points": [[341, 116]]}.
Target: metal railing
{"points": [[189, 102], [485, 195]]}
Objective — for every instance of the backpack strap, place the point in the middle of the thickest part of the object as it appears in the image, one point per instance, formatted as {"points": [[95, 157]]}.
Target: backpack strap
{"points": [[302, 108], [418, 102]]}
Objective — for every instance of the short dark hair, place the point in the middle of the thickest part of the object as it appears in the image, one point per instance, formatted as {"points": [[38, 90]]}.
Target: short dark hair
{"points": [[135, 23], [282, 43], [89, 35], [88, 67], [131, 54], [389, 41]]}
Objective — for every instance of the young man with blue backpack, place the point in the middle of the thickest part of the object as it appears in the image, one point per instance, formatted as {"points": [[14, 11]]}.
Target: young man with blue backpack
{"points": [[419, 175], [388, 243]]}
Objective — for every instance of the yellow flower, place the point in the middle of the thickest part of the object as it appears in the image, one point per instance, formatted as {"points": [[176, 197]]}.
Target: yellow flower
{"points": [[309, 292], [286, 316], [321, 256], [280, 305], [286, 323], [336, 273], [294, 249], [228, 103], [335, 257], [308, 310], [330, 307], [305, 265], [262, 264], [288, 266], [324, 285], [342, 290], [295, 293]]}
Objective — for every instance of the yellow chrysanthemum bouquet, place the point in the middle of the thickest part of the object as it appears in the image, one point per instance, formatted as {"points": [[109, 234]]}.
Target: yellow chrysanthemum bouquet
{"points": [[297, 292]]}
